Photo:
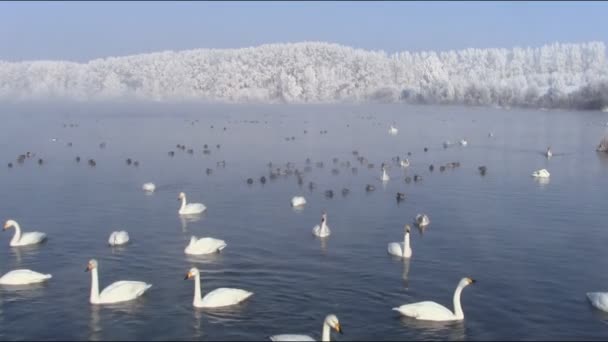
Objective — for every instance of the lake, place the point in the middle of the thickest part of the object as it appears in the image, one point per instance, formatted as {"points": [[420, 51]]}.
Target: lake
{"points": [[534, 247]]}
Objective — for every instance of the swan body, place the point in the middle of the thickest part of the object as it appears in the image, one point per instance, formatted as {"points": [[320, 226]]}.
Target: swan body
{"points": [[404, 163], [385, 176], [331, 322], [23, 239], [23, 277], [422, 220], [205, 245], [463, 142], [431, 311], [402, 250], [543, 173], [549, 154], [393, 130], [149, 187], [120, 291], [322, 229], [217, 298], [118, 238], [190, 208], [599, 300], [298, 201]]}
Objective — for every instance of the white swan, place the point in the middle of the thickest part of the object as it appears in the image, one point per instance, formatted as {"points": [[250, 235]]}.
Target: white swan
{"points": [[322, 230], [331, 322], [298, 201], [404, 163], [543, 173], [149, 187], [385, 176], [216, 298], [463, 142], [402, 250], [393, 130], [422, 220], [118, 238], [204, 245], [549, 154], [189, 208], [120, 291], [599, 300], [19, 239], [431, 311], [23, 277]]}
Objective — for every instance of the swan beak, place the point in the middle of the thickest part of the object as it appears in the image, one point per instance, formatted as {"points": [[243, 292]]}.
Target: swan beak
{"points": [[88, 268], [339, 328], [472, 281], [188, 276], [6, 226]]}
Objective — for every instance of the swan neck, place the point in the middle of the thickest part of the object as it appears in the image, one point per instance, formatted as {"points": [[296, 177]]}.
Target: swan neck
{"points": [[457, 307], [94, 286], [17, 235], [326, 333], [197, 289], [183, 203], [406, 243]]}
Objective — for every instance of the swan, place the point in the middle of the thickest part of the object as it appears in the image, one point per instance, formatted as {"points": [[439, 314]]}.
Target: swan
{"points": [[205, 245], [19, 239], [189, 208], [543, 173], [401, 250], [599, 300], [393, 130], [431, 311], [404, 163], [463, 142], [216, 298], [422, 220], [23, 277], [118, 238], [149, 187], [119, 291], [549, 154], [322, 230], [385, 176], [331, 322], [298, 201]]}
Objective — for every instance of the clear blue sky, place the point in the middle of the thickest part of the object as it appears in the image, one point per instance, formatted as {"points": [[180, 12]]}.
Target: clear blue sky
{"points": [[86, 30]]}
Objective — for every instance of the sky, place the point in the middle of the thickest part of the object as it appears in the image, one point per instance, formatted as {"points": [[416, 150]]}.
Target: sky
{"points": [[81, 31]]}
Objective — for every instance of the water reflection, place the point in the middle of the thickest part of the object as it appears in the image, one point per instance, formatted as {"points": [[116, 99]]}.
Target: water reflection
{"points": [[95, 324], [406, 272], [542, 181], [190, 218], [430, 330]]}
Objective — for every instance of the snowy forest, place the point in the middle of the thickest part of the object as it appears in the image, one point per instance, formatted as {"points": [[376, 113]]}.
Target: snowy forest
{"points": [[551, 76]]}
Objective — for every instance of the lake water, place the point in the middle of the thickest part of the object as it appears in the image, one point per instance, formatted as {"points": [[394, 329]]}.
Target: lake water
{"points": [[535, 248]]}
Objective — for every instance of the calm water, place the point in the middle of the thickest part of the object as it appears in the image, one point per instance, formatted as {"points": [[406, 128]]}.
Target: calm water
{"points": [[535, 248]]}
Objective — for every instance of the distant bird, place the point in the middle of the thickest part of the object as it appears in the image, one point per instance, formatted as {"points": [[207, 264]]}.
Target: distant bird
{"points": [[171, 153], [10, 164], [463, 142], [335, 160], [311, 185], [400, 196], [442, 168], [369, 188], [426, 149], [190, 151], [208, 171], [249, 181], [549, 154], [40, 161], [345, 191], [404, 163], [205, 146], [408, 179], [409, 153], [431, 168], [217, 146], [69, 144], [329, 193], [78, 159], [417, 178], [102, 145], [422, 220], [335, 171], [129, 161], [136, 163], [92, 162], [263, 180], [482, 170]]}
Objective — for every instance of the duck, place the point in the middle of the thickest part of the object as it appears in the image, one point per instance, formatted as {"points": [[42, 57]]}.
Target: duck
{"points": [[431, 311], [543, 173], [482, 170], [322, 229], [402, 250], [119, 291], [370, 188], [220, 297], [331, 322], [298, 201], [189, 208], [205, 245], [149, 187], [23, 277], [118, 238], [400, 196], [23, 239], [422, 220]]}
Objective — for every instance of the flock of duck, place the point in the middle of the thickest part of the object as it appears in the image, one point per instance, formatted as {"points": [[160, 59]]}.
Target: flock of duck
{"points": [[127, 290]]}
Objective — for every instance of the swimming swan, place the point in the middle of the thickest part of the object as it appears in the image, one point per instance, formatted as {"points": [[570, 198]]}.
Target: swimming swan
{"points": [[404, 163], [149, 187], [543, 173], [322, 230], [401, 250], [431, 311], [298, 201], [118, 238], [23, 277], [331, 322], [393, 130], [205, 245], [549, 154], [385, 176], [422, 220], [24, 239], [189, 208], [216, 298], [599, 300], [120, 291]]}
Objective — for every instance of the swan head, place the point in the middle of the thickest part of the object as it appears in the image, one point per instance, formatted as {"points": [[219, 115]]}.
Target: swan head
{"points": [[466, 281], [324, 217], [332, 322], [8, 224], [194, 272], [91, 265], [181, 196], [407, 228]]}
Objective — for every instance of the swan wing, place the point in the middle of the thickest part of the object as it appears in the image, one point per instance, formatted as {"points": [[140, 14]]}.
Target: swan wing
{"points": [[291, 337], [123, 290], [394, 248], [23, 276], [195, 207], [599, 300], [32, 237], [225, 297], [426, 311], [205, 245]]}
